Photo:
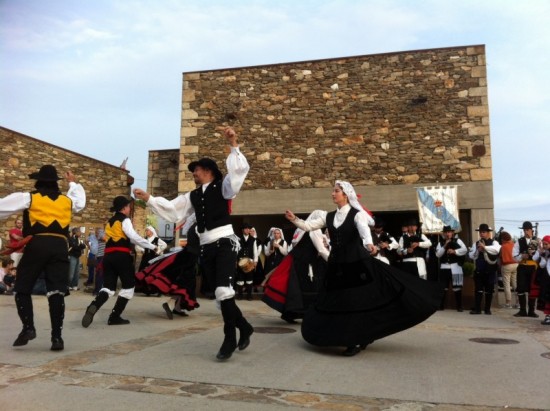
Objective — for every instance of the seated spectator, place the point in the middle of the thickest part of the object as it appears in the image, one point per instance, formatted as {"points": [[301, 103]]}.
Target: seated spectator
{"points": [[6, 277]]}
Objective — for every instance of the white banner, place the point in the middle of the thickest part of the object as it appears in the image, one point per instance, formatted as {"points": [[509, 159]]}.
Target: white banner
{"points": [[438, 207]]}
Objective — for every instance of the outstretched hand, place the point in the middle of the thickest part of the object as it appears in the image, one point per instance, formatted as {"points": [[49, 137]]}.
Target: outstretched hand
{"points": [[69, 176], [290, 215], [141, 195], [231, 136]]}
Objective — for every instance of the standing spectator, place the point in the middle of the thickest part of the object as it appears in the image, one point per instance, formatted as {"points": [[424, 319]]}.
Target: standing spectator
{"points": [[526, 254], [245, 272], [76, 246], [275, 249], [413, 246], [509, 267], [99, 261], [16, 235], [451, 252], [91, 261], [484, 252], [152, 237], [46, 217], [545, 265]]}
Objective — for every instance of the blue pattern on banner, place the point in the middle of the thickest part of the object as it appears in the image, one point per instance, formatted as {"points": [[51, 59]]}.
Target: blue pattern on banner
{"points": [[446, 216]]}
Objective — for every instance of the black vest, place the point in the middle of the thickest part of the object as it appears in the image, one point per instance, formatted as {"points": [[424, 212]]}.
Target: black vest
{"points": [[481, 264], [524, 247], [418, 252], [247, 247], [193, 243], [211, 208], [450, 258], [345, 241]]}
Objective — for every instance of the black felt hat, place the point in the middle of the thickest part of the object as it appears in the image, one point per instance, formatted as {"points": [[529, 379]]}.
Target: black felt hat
{"points": [[206, 163], [46, 173], [448, 228], [484, 227], [119, 203], [527, 225]]}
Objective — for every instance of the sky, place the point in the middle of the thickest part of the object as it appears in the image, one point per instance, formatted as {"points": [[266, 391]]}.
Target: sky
{"points": [[103, 78]]}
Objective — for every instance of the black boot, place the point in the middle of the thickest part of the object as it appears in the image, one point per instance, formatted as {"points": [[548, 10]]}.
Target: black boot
{"points": [[229, 313], [56, 304], [240, 290], [96, 304], [23, 302], [115, 318], [442, 303], [477, 303], [522, 298], [531, 313], [488, 301], [458, 300], [245, 329], [249, 292]]}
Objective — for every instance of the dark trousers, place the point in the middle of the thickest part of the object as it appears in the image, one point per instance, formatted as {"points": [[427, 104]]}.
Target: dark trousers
{"points": [[218, 260], [118, 265]]}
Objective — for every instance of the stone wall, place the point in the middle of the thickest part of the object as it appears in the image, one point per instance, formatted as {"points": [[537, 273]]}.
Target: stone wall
{"points": [[414, 117], [21, 155], [162, 178]]}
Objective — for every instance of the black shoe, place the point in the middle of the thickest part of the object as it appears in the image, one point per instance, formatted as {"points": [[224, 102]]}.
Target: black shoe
{"points": [[533, 315], [244, 338], [117, 321], [474, 311], [520, 314], [488, 312], [226, 350], [222, 356], [353, 350], [168, 311], [57, 344], [546, 320], [288, 318], [24, 337], [180, 313], [89, 316]]}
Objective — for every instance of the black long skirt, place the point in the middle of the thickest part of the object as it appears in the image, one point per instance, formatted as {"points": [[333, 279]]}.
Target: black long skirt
{"points": [[366, 301]]}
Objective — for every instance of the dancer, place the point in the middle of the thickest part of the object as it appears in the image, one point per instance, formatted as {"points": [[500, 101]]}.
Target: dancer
{"points": [[363, 299], [218, 243], [293, 286], [46, 218], [117, 263]]}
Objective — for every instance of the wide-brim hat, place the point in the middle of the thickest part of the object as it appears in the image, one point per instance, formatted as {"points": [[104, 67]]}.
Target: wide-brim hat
{"points": [[448, 228], [378, 222], [206, 163], [46, 173], [411, 221], [527, 225], [484, 227], [119, 203], [247, 225]]}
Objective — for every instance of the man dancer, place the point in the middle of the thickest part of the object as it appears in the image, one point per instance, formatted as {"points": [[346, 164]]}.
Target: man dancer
{"points": [[219, 244], [484, 252], [46, 217], [451, 252], [525, 252]]}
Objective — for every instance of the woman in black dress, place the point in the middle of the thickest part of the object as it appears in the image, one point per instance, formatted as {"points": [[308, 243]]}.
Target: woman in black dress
{"points": [[362, 299]]}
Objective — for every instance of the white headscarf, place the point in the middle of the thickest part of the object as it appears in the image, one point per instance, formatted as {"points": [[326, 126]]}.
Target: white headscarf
{"points": [[271, 233], [150, 228], [349, 191]]}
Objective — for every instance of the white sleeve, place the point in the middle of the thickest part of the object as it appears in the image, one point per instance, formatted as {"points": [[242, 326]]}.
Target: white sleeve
{"points": [[440, 250], [393, 245], [515, 252], [179, 209], [161, 245], [237, 170], [463, 250], [284, 248], [317, 240], [14, 203], [493, 249], [134, 237], [77, 195], [473, 251], [362, 224], [425, 242], [313, 223]]}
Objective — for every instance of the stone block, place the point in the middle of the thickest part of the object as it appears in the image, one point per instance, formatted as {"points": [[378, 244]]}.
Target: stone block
{"points": [[478, 111], [481, 174]]}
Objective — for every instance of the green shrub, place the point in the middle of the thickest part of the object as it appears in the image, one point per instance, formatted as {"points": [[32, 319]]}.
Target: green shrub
{"points": [[468, 269]]}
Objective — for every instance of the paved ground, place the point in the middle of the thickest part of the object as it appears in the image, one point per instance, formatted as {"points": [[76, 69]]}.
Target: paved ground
{"points": [[158, 364]]}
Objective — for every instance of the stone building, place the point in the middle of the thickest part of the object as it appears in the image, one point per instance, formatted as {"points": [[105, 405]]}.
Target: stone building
{"points": [[386, 122], [21, 155]]}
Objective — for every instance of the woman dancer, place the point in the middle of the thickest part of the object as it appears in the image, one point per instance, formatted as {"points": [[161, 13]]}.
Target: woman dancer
{"points": [[148, 255], [363, 299]]}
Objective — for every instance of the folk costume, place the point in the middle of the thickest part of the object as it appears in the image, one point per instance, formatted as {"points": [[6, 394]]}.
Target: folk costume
{"points": [[247, 252], [46, 218], [451, 253], [274, 253], [293, 286], [362, 299], [174, 274], [545, 278], [118, 264], [259, 272], [218, 243], [484, 253], [525, 252], [414, 259], [148, 255], [386, 244]]}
